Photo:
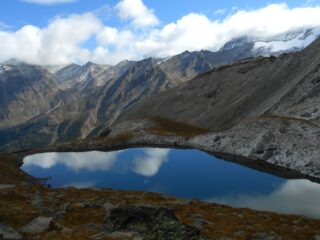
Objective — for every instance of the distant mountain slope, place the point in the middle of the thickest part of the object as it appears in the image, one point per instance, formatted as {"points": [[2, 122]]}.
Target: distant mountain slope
{"points": [[26, 91], [61, 103], [288, 86]]}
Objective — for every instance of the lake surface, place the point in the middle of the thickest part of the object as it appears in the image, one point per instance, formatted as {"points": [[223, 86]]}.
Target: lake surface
{"points": [[181, 173]]}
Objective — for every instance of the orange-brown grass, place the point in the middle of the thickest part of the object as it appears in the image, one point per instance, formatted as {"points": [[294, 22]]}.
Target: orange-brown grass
{"points": [[9, 170], [286, 119], [167, 127], [122, 137], [218, 220]]}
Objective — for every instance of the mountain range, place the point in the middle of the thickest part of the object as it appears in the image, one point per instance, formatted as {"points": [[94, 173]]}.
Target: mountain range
{"points": [[41, 105]]}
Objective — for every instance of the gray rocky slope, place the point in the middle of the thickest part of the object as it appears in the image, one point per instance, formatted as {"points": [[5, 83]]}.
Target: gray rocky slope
{"points": [[45, 105], [260, 112]]}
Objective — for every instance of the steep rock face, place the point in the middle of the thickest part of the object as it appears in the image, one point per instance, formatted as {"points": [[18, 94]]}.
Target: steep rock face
{"points": [[25, 92]]}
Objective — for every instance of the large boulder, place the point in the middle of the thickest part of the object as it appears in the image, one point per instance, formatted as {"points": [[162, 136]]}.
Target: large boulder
{"points": [[7, 232], [149, 222], [38, 225]]}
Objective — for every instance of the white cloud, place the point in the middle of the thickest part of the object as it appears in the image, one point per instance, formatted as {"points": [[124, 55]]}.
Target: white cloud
{"points": [[295, 197], [197, 31], [64, 39], [49, 2], [58, 43], [220, 11], [90, 161], [122, 43], [137, 12], [149, 164]]}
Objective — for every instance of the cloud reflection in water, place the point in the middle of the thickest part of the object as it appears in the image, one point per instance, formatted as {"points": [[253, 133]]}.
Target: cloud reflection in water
{"points": [[90, 161], [146, 164], [150, 162], [294, 196]]}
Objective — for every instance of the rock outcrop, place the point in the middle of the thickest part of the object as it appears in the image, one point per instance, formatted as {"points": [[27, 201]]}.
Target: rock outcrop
{"points": [[150, 223]]}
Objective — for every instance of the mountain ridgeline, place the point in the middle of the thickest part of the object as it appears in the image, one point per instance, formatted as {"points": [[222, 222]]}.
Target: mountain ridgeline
{"points": [[41, 105], [287, 87]]}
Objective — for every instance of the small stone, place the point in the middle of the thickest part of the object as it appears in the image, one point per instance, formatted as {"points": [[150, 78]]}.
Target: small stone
{"points": [[64, 207], [51, 234], [62, 211], [265, 236], [7, 232], [99, 236], [125, 235], [259, 149], [66, 230], [60, 195], [6, 186], [92, 226], [38, 225], [86, 204], [199, 222], [238, 234], [216, 138], [36, 200], [108, 206]]}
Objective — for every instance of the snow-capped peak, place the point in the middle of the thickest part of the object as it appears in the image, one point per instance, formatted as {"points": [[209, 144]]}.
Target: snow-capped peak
{"points": [[286, 42], [291, 41]]}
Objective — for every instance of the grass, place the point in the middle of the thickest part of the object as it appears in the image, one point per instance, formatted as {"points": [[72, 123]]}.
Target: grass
{"points": [[161, 127], [286, 119], [10, 171], [167, 127]]}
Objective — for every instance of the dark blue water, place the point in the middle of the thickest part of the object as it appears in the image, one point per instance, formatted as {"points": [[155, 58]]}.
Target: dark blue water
{"points": [[181, 173]]}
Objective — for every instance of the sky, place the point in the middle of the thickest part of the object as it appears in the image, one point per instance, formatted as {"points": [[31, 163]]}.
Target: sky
{"points": [[54, 32]]}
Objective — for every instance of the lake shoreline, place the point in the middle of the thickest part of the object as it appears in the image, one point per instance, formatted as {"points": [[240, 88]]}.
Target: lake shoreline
{"points": [[207, 143]]}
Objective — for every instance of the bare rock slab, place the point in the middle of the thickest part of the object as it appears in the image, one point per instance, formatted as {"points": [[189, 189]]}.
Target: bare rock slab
{"points": [[38, 225], [6, 186], [9, 233]]}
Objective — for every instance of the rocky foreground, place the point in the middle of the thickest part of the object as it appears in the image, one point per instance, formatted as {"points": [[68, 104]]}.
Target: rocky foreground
{"points": [[37, 212]]}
